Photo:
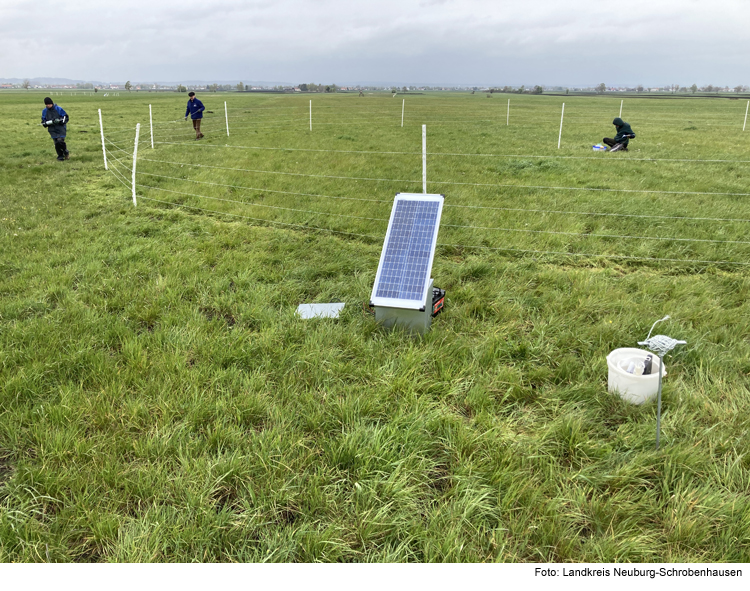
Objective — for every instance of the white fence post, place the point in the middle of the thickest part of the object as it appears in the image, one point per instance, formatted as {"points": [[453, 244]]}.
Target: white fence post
{"points": [[135, 158], [559, 138], [310, 114], [104, 150], [424, 159], [403, 105], [507, 118], [746, 109], [622, 101], [151, 122], [226, 115]]}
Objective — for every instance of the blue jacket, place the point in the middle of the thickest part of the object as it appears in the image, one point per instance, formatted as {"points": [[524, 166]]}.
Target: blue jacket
{"points": [[56, 112], [195, 109]]}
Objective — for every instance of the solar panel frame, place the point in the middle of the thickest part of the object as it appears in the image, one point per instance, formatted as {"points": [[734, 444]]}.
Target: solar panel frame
{"points": [[421, 235]]}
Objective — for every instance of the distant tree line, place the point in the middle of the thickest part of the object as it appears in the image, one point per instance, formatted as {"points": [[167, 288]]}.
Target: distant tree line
{"points": [[520, 90], [312, 87]]}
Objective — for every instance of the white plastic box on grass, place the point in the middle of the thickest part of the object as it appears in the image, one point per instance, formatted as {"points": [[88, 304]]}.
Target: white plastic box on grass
{"points": [[320, 310]]}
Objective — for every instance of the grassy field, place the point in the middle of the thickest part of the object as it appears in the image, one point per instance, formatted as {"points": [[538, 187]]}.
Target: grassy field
{"points": [[160, 401]]}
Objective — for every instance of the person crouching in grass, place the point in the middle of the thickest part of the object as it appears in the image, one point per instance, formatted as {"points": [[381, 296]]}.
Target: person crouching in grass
{"points": [[55, 120], [195, 109], [624, 135]]}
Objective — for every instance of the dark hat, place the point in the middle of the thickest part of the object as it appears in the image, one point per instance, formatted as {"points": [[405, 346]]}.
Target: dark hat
{"points": [[191, 94], [48, 101]]}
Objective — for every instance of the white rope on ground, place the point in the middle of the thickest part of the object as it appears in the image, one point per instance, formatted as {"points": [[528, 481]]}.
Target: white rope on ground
{"points": [[120, 177], [502, 185], [622, 215], [588, 235], [562, 212], [551, 232], [288, 149], [125, 166], [459, 154], [265, 190], [603, 159], [301, 226], [607, 256], [182, 119], [324, 176], [117, 147], [279, 125], [264, 205], [546, 188], [578, 234], [504, 249]]}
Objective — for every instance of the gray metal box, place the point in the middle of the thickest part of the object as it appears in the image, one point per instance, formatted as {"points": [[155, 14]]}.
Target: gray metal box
{"points": [[416, 321]]}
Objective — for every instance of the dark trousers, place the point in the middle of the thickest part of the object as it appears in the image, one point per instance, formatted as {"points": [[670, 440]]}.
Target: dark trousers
{"points": [[60, 147], [612, 143], [197, 128]]}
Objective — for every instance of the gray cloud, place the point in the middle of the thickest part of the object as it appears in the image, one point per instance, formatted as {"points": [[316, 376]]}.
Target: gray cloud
{"points": [[403, 41]]}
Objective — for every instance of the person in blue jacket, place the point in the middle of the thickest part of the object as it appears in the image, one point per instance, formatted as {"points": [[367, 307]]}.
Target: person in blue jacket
{"points": [[195, 109], [55, 120]]}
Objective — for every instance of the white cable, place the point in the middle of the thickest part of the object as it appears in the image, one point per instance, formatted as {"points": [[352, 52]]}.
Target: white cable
{"points": [[116, 147], [324, 176], [304, 227], [125, 166], [290, 149], [624, 215], [578, 234], [606, 256], [503, 185], [563, 212], [117, 174], [265, 190], [264, 205], [459, 154], [546, 188], [582, 235], [301, 226]]}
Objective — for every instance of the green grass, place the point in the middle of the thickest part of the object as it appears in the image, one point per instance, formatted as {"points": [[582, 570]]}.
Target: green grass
{"points": [[160, 401]]}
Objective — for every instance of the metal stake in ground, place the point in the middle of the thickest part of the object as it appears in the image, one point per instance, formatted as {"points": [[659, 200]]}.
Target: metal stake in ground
{"points": [[661, 345]]}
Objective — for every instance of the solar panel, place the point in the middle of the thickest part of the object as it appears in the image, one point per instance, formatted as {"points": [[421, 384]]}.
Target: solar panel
{"points": [[403, 276]]}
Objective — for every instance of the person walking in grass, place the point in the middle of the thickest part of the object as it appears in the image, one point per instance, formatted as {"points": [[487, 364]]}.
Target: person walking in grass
{"points": [[195, 109], [624, 135], [55, 120]]}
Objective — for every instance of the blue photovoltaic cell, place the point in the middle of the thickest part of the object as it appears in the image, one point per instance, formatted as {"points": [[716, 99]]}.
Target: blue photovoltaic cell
{"points": [[404, 272]]}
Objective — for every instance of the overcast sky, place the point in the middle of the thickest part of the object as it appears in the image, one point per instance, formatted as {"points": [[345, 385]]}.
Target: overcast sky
{"points": [[493, 42]]}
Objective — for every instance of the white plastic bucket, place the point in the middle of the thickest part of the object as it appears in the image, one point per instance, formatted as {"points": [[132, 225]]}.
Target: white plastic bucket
{"points": [[630, 387]]}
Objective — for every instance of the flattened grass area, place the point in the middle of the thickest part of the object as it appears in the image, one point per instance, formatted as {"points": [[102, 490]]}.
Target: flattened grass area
{"points": [[160, 401]]}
